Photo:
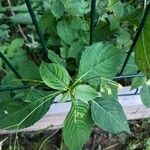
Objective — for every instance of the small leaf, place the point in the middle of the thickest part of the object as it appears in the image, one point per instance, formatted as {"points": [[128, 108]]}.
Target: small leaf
{"points": [[77, 7], [56, 59], [65, 97], [109, 88], [145, 95], [142, 51], [57, 8], [65, 32], [109, 115], [47, 22], [85, 93], [75, 50], [99, 60], [19, 115], [138, 81], [21, 18], [14, 46], [78, 126], [55, 76]]}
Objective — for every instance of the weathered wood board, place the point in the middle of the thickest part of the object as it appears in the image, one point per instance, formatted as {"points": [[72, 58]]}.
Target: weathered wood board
{"points": [[132, 105]]}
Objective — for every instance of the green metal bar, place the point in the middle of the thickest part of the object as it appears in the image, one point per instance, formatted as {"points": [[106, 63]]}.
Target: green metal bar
{"points": [[92, 20], [10, 65], [38, 30], [129, 76], [141, 26], [12, 88]]}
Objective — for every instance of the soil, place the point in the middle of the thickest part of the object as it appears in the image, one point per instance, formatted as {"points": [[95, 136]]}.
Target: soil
{"points": [[99, 139]]}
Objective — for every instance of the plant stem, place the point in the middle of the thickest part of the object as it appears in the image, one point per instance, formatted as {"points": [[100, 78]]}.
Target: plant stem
{"points": [[19, 27], [141, 26], [38, 30], [10, 66], [92, 20]]}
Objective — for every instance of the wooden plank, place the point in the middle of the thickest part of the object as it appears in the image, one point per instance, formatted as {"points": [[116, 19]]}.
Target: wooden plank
{"points": [[132, 105]]}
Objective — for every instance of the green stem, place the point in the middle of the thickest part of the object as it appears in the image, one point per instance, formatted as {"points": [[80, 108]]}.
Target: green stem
{"points": [[38, 30]]}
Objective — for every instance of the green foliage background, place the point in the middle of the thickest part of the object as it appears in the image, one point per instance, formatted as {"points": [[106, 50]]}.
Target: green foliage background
{"points": [[80, 72]]}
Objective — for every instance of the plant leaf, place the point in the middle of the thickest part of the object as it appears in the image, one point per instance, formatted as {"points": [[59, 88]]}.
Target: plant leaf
{"points": [[19, 115], [55, 76], [109, 115], [65, 32], [78, 126], [145, 95], [21, 18], [103, 60], [57, 8], [142, 51], [84, 93], [138, 81], [56, 59]]}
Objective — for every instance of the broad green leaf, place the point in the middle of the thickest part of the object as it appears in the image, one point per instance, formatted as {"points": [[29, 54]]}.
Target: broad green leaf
{"points": [[14, 46], [29, 71], [75, 50], [77, 126], [56, 59], [131, 67], [57, 8], [145, 95], [138, 81], [5, 97], [101, 7], [18, 115], [47, 22], [109, 88], [21, 18], [85, 93], [142, 50], [33, 95], [99, 60], [55, 76], [109, 115], [66, 96], [65, 32], [79, 24], [77, 7]]}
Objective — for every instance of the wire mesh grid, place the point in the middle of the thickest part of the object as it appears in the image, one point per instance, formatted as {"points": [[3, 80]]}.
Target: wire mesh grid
{"points": [[92, 24]]}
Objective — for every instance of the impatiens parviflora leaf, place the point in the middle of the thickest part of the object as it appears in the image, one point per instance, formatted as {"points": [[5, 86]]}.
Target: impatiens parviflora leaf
{"points": [[145, 94], [55, 76], [66, 97], [19, 115], [65, 32], [57, 8], [109, 88], [85, 93], [138, 81], [142, 49], [108, 115], [56, 59], [103, 61], [77, 126]]}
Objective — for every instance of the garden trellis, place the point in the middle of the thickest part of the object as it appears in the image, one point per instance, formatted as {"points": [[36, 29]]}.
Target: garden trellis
{"points": [[92, 24], [44, 56], [85, 91]]}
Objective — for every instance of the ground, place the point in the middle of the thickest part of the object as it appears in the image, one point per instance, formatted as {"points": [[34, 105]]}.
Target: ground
{"points": [[99, 139]]}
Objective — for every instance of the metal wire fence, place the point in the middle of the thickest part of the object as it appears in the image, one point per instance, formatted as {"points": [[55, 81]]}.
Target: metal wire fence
{"points": [[91, 35]]}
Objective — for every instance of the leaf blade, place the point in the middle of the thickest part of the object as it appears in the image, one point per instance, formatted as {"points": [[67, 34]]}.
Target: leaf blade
{"points": [[103, 60], [142, 49], [109, 115], [55, 76], [77, 127]]}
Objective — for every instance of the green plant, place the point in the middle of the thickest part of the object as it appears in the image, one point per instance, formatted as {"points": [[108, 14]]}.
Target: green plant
{"points": [[79, 72]]}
